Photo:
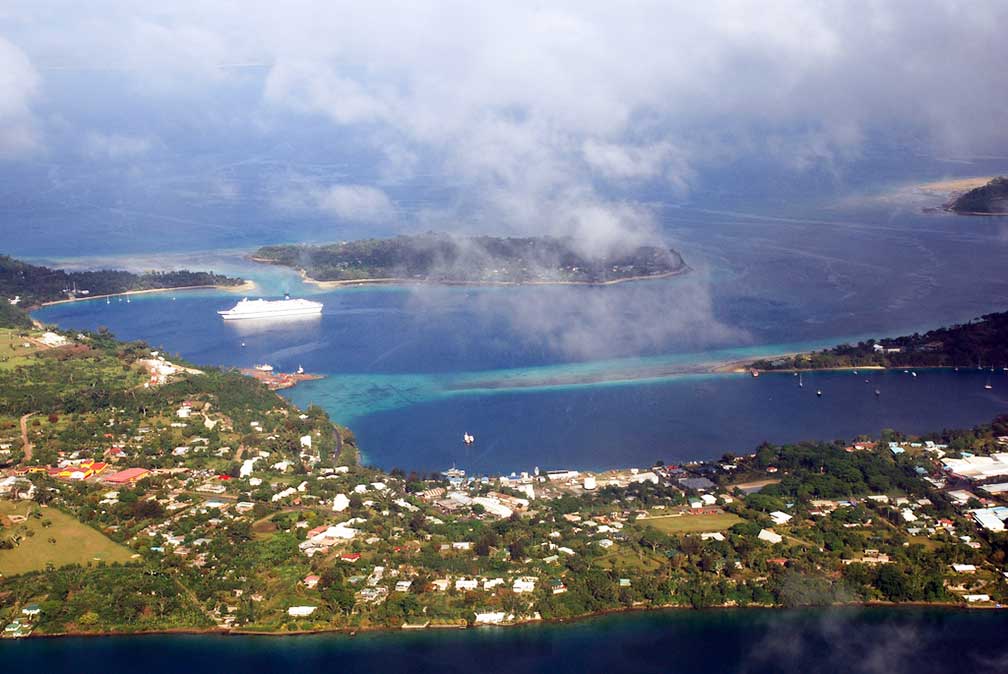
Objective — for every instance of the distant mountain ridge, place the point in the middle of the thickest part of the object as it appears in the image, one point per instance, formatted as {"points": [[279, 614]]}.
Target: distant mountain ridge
{"points": [[483, 259], [989, 199]]}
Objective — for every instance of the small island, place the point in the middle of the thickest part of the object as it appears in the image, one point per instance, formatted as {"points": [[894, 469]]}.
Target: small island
{"points": [[479, 260], [989, 199]]}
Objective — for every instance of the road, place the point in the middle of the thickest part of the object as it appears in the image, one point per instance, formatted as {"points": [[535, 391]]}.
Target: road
{"points": [[25, 445]]}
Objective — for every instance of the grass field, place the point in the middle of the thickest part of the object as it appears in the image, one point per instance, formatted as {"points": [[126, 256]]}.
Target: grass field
{"points": [[12, 353], [689, 524], [76, 543]]}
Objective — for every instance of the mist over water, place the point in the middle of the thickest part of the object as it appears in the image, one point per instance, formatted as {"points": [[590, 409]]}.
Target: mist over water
{"points": [[591, 377]]}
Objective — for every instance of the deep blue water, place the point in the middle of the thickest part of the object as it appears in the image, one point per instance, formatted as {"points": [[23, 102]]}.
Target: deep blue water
{"points": [[531, 370], [877, 641]]}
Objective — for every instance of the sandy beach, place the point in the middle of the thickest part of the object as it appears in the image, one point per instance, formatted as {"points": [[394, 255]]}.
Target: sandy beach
{"points": [[245, 287]]}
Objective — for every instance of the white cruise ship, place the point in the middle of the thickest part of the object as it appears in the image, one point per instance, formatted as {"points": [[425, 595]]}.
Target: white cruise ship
{"points": [[285, 308]]}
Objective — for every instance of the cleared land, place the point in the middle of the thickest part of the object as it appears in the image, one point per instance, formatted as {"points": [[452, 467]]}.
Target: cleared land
{"points": [[75, 542], [691, 524], [12, 350]]}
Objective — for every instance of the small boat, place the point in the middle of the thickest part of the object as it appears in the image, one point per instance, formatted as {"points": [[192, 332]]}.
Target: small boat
{"points": [[988, 384], [243, 345], [913, 374], [867, 381], [127, 300], [108, 301], [468, 439], [819, 392], [877, 393], [264, 367], [754, 372], [855, 371], [800, 384]]}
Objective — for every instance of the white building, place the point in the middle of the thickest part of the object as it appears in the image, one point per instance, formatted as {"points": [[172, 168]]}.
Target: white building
{"points": [[770, 536], [523, 584], [490, 618], [340, 503], [301, 611], [780, 517]]}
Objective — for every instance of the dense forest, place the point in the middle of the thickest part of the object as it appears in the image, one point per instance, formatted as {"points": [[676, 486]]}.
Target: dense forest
{"points": [[991, 198], [36, 284], [483, 259], [980, 342]]}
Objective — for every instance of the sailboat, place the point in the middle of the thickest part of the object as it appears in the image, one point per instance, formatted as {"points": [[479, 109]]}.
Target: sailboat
{"points": [[988, 384], [800, 384], [108, 301]]}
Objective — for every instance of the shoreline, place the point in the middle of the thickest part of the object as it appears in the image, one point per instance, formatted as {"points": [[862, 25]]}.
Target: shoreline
{"points": [[490, 284], [246, 285], [349, 632]]}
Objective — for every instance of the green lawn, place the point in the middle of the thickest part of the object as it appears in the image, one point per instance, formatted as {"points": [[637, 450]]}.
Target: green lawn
{"points": [[690, 524], [12, 353], [76, 543]]}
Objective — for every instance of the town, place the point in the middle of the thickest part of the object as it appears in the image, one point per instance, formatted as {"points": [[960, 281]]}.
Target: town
{"points": [[141, 493]]}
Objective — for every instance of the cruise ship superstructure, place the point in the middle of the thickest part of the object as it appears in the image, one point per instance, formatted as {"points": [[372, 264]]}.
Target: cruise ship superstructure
{"points": [[264, 309]]}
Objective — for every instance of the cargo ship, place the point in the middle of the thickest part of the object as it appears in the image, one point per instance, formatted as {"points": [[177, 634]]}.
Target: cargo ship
{"points": [[265, 309]]}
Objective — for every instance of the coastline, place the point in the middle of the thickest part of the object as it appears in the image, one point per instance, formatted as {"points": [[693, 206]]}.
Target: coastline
{"points": [[391, 280], [382, 629], [246, 286]]}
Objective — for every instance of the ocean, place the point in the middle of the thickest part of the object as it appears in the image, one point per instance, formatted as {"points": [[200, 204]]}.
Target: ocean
{"points": [[841, 640]]}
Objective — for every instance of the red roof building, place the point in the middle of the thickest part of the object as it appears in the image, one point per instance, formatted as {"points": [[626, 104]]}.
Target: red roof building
{"points": [[128, 476]]}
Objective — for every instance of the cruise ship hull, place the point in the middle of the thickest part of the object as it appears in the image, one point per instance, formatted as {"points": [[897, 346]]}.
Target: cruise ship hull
{"points": [[273, 313]]}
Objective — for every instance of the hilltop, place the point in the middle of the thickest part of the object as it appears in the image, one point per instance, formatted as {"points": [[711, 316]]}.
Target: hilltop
{"points": [[443, 258], [989, 199]]}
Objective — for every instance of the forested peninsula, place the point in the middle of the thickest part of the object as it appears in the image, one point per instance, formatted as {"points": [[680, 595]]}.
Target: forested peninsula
{"points": [[981, 342], [989, 199], [24, 286], [443, 258]]}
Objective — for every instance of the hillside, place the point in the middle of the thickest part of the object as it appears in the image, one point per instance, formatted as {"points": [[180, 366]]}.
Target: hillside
{"points": [[484, 259], [980, 341], [989, 199], [35, 284]]}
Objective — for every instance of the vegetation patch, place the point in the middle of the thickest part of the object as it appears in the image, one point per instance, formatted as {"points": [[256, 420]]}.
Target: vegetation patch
{"points": [[50, 537]]}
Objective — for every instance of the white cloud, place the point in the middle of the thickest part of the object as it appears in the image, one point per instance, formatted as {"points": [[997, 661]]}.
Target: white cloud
{"points": [[354, 203], [540, 114], [115, 146], [19, 84]]}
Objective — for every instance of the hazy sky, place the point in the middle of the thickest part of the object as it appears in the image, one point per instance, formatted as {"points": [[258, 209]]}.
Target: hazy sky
{"points": [[531, 116]]}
